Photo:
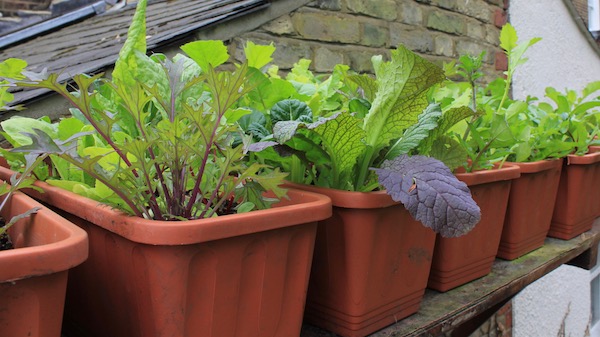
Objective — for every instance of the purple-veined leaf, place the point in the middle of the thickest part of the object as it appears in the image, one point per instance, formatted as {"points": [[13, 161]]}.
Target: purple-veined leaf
{"points": [[431, 193]]}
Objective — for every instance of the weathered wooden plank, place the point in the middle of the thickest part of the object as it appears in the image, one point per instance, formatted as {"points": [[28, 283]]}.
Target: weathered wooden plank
{"points": [[441, 313]]}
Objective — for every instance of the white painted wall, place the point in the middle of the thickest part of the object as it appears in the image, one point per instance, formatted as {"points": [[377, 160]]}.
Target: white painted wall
{"points": [[562, 59], [562, 295]]}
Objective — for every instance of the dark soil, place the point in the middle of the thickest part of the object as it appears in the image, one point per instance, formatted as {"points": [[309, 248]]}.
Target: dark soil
{"points": [[5, 243]]}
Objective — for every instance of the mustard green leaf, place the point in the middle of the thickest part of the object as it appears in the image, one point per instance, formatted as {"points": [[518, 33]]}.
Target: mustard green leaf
{"points": [[343, 140], [402, 83]]}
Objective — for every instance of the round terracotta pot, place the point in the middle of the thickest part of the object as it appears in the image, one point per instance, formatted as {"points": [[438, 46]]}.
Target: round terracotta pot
{"points": [[457, 261], [578, 198], [528, 215], [370, 265]]}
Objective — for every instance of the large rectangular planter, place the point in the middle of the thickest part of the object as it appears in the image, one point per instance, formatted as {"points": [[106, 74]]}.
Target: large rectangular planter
{"points": [[33, 276], [528, 215], [234, 275], [578, 198], [371, 264], [459, 260]]}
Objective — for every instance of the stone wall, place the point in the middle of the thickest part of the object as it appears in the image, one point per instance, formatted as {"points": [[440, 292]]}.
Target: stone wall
{"points": [[329, 32]]}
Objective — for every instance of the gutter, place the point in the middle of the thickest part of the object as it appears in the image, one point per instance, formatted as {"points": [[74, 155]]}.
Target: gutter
{"points": [[60, 21]]}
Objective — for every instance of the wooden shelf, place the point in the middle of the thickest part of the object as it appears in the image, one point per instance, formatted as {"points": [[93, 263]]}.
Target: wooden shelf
{"points": [[441, 313]]}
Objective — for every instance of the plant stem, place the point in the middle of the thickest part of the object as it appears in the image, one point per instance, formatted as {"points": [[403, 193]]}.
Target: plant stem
{"points": [[367, 159]]}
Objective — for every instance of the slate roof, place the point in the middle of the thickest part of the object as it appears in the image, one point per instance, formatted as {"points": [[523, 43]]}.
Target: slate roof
{"points": [[92, 45]]}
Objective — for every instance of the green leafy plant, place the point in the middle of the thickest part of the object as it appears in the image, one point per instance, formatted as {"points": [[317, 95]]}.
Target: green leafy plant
{"points": [[7, 189], [156, 139], [354, 132], [504, 128]]}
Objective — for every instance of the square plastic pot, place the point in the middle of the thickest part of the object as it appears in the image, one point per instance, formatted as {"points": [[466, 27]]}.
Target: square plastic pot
{"points": [[371, 264], [578, 198], [33, 276], [528, 215], [235, 275], [457, 261]]}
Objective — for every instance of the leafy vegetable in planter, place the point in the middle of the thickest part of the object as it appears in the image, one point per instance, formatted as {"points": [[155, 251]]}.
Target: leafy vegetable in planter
{"points": [[155, 140], [505, 129], [353, 132], [575, 117]]}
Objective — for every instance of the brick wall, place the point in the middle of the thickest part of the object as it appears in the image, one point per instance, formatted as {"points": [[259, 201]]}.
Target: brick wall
{"points": [[581, 6], [329, 32]]}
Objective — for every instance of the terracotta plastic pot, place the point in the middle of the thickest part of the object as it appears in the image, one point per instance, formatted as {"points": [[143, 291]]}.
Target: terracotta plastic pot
{"points": [[457, 261], [528, 215], [33, 276], [578, 198], [234, 275], [371, 264]]}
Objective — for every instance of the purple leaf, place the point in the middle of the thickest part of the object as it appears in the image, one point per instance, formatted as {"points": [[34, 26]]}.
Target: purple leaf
{"points": [[431, 193], [259, 146]]}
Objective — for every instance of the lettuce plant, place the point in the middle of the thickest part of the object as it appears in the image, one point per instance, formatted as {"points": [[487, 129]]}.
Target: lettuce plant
{"points": [[357, 133], [156, 139]]}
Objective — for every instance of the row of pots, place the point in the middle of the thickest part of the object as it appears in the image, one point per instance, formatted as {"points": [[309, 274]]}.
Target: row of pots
{"points": [[248, 274]]}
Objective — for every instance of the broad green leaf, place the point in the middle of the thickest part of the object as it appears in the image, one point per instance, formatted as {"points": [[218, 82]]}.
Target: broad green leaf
{"points": [[12, 68], [207, 53], [508, 37], [233, 115], [68, 127], [401, 96], [17, 126], [291, 110], [590, 89], [258, 56]]}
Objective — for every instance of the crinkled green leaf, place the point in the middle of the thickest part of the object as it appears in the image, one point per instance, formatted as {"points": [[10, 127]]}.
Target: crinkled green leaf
{"points": [[342, 139], [401, 97], [367, 84]]}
